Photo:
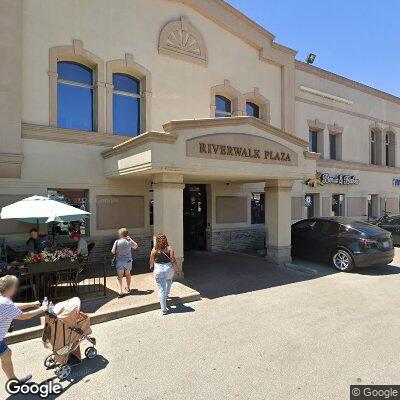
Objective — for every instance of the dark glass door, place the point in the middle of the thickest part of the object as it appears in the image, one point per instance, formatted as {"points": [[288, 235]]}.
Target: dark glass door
{"points": [[195, 217]]}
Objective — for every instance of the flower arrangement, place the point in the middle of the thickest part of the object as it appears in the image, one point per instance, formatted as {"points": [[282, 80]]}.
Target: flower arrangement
{"points": [[48, 256]]}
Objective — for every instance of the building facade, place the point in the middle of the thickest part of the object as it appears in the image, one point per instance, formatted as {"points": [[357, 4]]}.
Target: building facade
{"points": [[184, 117]]}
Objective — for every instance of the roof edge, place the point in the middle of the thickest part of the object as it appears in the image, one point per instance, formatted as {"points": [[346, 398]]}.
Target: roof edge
{"points": [[323, 73]]}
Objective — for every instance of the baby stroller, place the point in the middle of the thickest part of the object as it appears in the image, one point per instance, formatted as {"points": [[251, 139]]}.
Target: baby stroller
{"points": [[64, 331]]}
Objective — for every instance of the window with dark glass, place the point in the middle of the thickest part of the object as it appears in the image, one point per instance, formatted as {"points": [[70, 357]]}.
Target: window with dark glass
{"points": [[338, 205], [223, 107], [373, 147], [74, 96], [126, 105], [78, 198], [151, 212], [252, 110], [258, 208], [332, 147], [313, 141], [309, 202], [387, 150]]}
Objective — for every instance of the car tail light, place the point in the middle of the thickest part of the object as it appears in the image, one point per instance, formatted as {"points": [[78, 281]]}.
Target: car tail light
{"points": [[367, 243]]}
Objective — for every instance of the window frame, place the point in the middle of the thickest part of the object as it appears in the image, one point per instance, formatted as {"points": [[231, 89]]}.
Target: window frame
{"points": [[130, 67], [260, 101], [229, 92], [78, 54], [130, 95], [311, 142], [333, 149], [253, 106], [225, 114], [82, 85]]}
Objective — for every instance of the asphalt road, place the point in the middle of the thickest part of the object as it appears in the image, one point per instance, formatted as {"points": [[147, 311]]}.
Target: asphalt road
{"points": [[305, 338]]}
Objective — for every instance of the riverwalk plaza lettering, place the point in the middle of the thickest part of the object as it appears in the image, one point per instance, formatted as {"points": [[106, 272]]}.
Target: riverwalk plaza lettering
{"points": [[240, 147], [340, 179], [243, 152]]}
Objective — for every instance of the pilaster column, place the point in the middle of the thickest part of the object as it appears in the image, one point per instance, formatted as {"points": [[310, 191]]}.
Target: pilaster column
{"points": [[278, 196], [10, 92], [168, 210]]}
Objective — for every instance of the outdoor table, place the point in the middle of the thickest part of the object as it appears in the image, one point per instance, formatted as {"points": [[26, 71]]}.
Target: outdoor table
{"points": [[43, 273]]}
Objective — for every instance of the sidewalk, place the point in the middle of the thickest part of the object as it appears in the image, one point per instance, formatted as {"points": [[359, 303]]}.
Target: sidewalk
{"points": [[144, 297]]}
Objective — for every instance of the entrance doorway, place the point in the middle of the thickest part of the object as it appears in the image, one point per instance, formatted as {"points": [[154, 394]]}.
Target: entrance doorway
{"points": [[195, 217]]}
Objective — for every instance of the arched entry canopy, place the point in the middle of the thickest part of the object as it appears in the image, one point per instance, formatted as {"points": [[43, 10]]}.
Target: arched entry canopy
{"points": [[238, 149]]}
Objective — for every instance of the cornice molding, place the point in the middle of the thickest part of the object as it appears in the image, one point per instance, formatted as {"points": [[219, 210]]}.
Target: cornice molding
{"points": [[316, 125], [309, 155], [335, 129], [301, 66], [49, 133], [148, 137], [174, 126], [341, 110], [231, 19], [356, 166]]}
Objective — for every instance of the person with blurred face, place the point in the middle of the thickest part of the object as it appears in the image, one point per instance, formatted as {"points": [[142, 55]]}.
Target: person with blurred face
{"points": [[122, 249], [8, 312], [82, 246], [34, 244], [163, 262]]}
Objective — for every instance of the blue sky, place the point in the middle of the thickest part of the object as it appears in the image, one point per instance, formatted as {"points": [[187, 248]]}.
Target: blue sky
{"points": [[359, 39]]}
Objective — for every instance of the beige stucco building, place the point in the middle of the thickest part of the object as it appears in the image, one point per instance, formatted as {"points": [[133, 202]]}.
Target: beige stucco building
{"points": [[223, 123]]}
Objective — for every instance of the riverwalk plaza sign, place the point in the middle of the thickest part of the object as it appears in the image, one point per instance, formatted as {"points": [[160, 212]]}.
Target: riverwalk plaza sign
{"points": [[240, 147]]}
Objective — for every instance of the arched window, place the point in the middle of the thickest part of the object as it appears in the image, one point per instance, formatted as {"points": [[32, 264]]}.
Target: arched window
{"points": [[126, 105], [223, 107], [74, 96], [252, 110]]}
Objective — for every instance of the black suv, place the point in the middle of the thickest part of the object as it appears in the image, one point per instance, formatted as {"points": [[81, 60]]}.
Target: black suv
{"points": [[344, 242]]}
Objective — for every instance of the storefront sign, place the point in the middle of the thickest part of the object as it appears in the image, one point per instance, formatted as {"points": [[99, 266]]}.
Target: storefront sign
{"points": [[240, 147], [340, 179], [396, 181]]}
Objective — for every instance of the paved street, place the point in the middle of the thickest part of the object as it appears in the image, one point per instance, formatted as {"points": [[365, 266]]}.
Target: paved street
{"points": [[282, 335]]}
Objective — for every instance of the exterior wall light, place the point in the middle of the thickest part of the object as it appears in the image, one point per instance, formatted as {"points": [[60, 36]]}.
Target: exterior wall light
{"points": [[310, 58]]}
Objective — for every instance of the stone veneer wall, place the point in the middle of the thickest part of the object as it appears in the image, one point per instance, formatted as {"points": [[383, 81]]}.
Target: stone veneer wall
{"points": [[236, 239]]}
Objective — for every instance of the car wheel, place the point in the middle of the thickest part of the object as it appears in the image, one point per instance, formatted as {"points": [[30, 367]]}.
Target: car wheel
{"points": [[342, 260]]}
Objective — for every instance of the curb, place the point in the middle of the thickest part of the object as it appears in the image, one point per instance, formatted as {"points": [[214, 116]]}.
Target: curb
{"points": [[37, 331]]}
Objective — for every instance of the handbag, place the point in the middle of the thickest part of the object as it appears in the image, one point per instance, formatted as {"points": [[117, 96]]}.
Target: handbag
{"points": [[173, 262], [114, 258]]}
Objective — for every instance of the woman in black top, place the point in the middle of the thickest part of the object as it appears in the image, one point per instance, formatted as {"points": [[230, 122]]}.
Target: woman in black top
{"points": [[162, 260]]}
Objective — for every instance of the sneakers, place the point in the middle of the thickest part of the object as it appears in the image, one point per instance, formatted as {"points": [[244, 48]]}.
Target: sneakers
{"points": [[165, 312], [25, 379]]}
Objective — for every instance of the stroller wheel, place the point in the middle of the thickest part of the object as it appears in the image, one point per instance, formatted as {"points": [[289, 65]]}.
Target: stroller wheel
{"points": [[63, 372], [49, 361], [90, 353]]}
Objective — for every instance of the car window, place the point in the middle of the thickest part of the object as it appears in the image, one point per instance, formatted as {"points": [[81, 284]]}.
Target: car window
{"points": [[392, 221], [327, 227], [306, 225], [368, 229]]}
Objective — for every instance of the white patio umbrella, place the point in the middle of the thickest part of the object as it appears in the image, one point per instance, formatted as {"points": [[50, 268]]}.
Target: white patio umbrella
{"points": [[39, 210]]}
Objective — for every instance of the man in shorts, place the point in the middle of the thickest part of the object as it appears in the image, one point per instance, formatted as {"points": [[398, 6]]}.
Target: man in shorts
{"points": [[8, 312]]}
